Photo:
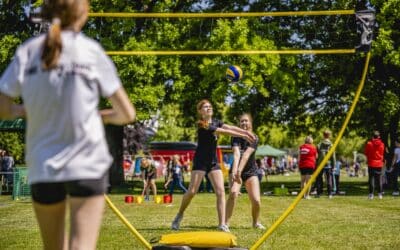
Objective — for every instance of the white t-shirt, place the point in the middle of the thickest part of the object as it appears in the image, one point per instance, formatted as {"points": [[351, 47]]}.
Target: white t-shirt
{"points": [[397, 152], [65, 137]]}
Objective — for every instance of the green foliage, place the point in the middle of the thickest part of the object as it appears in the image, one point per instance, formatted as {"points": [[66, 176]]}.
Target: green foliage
{"points": [[172, 125], [8, 45]]}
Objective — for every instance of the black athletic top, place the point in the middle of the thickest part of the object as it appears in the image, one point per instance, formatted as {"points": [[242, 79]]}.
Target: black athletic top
{"points": [[205, 157], [251, 166]]}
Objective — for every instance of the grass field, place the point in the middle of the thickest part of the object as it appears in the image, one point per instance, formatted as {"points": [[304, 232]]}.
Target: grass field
{"points": [[344, 222]]}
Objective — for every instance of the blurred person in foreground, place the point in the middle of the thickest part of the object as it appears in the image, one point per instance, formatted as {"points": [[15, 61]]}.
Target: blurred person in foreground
{"points": [[60, 77]]}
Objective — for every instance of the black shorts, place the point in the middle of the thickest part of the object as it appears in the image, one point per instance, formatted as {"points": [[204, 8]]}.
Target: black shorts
{"points": [[246, 176], [249, 172], [206, 167], [306, 171], [54, 192]]}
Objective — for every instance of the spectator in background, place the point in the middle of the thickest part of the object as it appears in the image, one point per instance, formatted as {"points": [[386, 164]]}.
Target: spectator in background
{"points": [[336, 177], [260, 169], [323, 147], [307, 158], [357, 167], [1, 162], [174, 175], [374, 150], [395, 169], [7, 165], [149, 175]]}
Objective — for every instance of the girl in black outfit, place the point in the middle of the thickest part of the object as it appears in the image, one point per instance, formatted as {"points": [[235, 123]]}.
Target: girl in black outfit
{"points": [[149, 175], [245, 169], [205, 161]]}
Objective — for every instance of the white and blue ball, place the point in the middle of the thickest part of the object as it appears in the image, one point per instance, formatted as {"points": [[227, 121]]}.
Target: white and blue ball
{"points": [[234, 73]]}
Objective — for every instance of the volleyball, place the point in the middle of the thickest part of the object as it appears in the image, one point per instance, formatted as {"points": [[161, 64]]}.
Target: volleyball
{"points": [[234, 73]]}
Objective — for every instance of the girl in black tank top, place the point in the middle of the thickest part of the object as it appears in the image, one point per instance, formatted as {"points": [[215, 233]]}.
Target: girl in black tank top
{"points": [[244, 169]]}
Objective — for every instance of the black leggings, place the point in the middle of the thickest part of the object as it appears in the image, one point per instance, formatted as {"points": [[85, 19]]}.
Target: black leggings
{"points": [[374, 177]]}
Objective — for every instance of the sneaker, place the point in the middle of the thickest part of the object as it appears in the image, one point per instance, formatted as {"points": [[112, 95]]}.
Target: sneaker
{"points": [[380, 196], [330, 196], [259, 226], [176, 222], [396, 193], [224, 228], [370, 196]]}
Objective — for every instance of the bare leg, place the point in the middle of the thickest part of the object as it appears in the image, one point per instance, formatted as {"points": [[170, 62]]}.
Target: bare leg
{"points": [[153, 187], [51, 219], [86, 215], [217, 180], [302, 184], [196, 178], [306, 180], [144, 187], [231, 202], [253, 189]]}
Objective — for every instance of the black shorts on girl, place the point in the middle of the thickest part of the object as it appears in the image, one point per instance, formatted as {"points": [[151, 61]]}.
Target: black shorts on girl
{"points": [[247, 174], [306, 171], [54, 192], [197, 165]]}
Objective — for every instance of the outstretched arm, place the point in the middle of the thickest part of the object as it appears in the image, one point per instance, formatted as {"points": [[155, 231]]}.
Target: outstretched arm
{"points": [[236, 132]]}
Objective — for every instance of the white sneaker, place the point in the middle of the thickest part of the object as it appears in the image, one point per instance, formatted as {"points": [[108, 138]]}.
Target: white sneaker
{"points": [[259, 226], [370, 196], [224, 228], [380, 196], [396, 193], [176, 222]]}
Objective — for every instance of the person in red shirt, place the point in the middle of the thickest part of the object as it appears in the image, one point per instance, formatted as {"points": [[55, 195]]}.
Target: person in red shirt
{"points": [[374, 150], [307, 158]]}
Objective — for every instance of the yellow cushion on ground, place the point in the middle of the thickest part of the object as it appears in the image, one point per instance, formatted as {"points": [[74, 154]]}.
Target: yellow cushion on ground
{"points": [[200, 239]]}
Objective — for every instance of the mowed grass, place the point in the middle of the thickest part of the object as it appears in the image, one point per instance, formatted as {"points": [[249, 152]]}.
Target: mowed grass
{"points": [[350, 221]]}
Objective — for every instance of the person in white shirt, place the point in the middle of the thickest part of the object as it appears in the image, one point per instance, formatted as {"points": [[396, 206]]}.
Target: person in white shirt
{"points": [[60, 77]]}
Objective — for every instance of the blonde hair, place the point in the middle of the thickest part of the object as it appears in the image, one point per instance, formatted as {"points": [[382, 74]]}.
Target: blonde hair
{"points": [[308, 139], [62, 14]]}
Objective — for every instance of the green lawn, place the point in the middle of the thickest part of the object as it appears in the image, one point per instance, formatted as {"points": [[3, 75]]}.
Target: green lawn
{"points": [[344, 222]]}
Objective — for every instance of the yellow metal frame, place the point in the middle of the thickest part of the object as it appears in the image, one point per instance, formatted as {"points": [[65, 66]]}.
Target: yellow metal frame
{"points": [[228, 52], [219, 15]]}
